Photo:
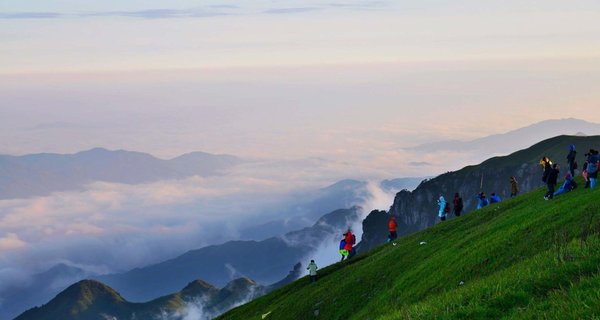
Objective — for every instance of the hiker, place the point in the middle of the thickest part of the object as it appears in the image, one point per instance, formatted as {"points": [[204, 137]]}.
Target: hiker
{"points": [[584, 174], [547, 165], [458, 204], [494, 198], [482, 200], [551, 181], [571, 159], [444, 208], [514, 187], [343, 250], [312, 271], [350, 241], [567, 186], [592, 167], [392, 228]]}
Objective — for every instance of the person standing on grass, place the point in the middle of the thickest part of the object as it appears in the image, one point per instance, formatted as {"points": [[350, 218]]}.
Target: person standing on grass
{"points": [[551, 181], [571, 160], [312, 271], [514, 187], [458, 204], [442, 210], [547, 165], [350, 240], [592, 167], [392, 226], [343, 250], [585, 175]]}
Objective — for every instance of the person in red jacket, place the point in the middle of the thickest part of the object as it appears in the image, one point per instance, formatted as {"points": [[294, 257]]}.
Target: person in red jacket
{"points": [[350, 240], [392, 228]]}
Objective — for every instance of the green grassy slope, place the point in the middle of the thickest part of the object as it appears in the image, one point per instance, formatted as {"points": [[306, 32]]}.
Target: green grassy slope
{"points": [[522, 258]]}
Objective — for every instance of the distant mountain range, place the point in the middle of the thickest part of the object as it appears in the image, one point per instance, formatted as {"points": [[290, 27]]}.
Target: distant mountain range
{"points": [[504, 143], [42, 174]]}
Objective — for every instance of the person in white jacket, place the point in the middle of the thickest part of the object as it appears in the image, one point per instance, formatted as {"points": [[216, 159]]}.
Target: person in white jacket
{"points": [[312, 270]]}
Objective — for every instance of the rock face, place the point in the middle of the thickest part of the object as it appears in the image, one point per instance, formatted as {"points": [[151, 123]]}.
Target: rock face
{"points": [[418, 209], [375, 230]]}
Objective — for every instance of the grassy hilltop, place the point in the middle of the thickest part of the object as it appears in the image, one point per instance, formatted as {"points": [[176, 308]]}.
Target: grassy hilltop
{"points": [[523, 258]]}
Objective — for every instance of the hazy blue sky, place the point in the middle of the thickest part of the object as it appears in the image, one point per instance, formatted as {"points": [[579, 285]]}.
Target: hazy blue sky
{"points": [[350, 80]]}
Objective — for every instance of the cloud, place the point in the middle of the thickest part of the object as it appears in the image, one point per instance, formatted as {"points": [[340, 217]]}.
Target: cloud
{"points": [[327, 252], [30, 15], [291, 10], [159, 13], [112, 227], [11, 242], [210, 11], [420, 164]]}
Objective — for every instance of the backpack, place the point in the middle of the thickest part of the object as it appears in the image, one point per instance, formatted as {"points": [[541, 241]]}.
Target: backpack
{"points": [[342, 244], [353, 239], [447, 208]]}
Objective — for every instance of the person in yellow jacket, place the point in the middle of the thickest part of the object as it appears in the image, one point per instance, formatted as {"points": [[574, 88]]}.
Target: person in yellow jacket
{"points": [[547, 165]]}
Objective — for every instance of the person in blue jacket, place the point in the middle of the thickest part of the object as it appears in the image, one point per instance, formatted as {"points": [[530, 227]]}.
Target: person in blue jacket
{"points": [[592, 167], [482, 200], [442, 208], [567, 186], [494, 198]]}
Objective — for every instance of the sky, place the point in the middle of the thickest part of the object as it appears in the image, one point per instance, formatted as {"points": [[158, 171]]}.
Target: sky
{"points": [[336, 86], [293, 79]]}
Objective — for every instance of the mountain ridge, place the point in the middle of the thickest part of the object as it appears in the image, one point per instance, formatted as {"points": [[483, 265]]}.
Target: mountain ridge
{"points": [[43, 173]]}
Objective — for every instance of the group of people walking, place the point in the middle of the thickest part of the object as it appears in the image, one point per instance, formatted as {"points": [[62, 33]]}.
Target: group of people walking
{"points": [[444, 206]]}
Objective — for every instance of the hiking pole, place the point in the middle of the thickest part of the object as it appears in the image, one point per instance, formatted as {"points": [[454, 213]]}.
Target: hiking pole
{"points": [[481, 184]]}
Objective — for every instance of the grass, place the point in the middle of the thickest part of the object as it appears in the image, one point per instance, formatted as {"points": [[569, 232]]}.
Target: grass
{"points": [[524, 258]]}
